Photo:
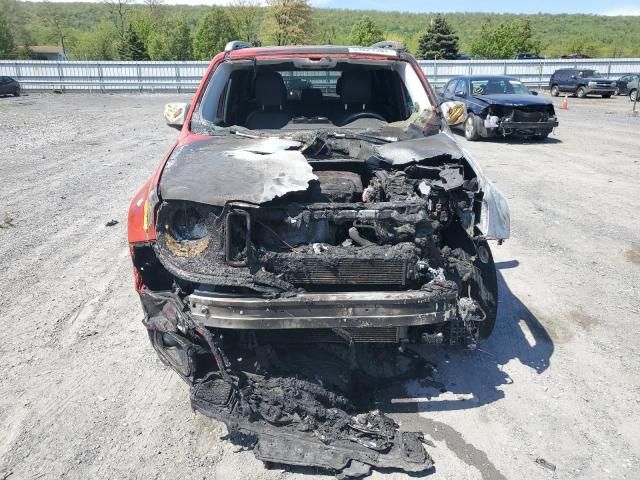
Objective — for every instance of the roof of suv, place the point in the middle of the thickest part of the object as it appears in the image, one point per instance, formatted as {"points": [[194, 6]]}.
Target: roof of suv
{"points": [[313, 50]]}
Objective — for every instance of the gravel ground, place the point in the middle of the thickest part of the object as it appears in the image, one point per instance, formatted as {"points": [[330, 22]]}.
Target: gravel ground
{"points": [[83, 396]]}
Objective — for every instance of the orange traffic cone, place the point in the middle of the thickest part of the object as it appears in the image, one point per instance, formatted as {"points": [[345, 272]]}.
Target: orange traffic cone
{"points": [[565, 103]]}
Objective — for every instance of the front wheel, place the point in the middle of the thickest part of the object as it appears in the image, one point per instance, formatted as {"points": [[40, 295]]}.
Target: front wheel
{"points": [[16, 93], [471, 129], [555, 90], [542, 135], [616, 91], [489, 295], [633, 96], [581, 92]]}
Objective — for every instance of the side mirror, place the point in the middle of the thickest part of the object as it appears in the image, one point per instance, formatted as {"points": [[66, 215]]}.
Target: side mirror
{"points": [[534, 92], [454, 112], [574, 77], [175, 114], [460, 93]]}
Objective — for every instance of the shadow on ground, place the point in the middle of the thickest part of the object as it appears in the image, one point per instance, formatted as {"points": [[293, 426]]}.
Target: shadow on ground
{"points": [[474, 377]]}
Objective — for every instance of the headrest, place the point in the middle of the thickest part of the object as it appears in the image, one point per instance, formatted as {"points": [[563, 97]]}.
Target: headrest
{"points": [[270, 89], [356, 87]]}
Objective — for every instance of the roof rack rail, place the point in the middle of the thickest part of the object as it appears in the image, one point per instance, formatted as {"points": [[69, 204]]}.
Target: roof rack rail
{"points": [[390, 44], [236, 45]]}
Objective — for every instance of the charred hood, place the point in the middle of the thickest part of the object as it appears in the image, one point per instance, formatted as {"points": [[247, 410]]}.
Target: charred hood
{"points": [[222, 169]]}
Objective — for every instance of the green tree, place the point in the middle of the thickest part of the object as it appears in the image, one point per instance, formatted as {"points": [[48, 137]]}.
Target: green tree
{"points": [[212, 33], [7, 46], [144, 24], [329, 35], [582, 45], [172, 41], [131, 46], [505, 40], [119, 12], [244, 15], [288, 22], [438, 41], [57, 23], [365, 32], [101, 43], [14, 17]]}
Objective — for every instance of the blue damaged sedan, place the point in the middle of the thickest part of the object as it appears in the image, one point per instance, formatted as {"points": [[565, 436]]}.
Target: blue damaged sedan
{"points": [[499, 106]]}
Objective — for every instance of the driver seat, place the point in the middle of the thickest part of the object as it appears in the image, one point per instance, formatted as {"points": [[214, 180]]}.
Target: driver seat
{"points": [[356, 94]]}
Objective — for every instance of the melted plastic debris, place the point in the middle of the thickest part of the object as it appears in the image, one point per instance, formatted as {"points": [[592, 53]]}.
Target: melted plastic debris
{"points": [[305, 419]]}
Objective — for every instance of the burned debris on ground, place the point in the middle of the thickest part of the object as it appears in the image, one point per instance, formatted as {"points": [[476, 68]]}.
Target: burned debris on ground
{"points": [[312, 407]]}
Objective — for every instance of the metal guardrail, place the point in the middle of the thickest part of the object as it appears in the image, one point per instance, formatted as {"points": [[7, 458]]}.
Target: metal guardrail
{"points": [[37, 75], [40, 75]]}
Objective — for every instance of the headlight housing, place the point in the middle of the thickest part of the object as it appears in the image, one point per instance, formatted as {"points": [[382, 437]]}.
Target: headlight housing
{"points": [[188, 229]]}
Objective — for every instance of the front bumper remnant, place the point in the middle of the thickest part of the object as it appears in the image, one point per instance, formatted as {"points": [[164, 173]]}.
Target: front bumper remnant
{"points": [[326, 310], [509, 125]]}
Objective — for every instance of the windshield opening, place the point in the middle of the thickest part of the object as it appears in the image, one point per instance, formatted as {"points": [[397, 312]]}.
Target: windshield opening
{"points": [[491, 86], [296, 95]]}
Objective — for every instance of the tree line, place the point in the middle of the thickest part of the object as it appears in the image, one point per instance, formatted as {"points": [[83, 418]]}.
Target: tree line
{"points": [[122, 30]]}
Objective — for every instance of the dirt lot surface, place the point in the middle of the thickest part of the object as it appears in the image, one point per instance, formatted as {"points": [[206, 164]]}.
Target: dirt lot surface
{"points": [[83, 396]]}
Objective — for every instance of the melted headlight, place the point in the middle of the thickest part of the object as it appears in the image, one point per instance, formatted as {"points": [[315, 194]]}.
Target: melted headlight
{"points": [[185, 229]]}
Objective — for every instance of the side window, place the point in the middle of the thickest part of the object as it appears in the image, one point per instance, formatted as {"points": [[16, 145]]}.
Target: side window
{"points": [[461, 87], [451, 86]]}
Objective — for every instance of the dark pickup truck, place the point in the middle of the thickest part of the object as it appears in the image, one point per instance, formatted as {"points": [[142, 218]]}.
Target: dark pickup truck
{"points": [[581, 82]]}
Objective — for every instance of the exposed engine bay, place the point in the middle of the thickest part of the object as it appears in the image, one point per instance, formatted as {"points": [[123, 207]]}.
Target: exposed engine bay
{"points": [[333, 242]]}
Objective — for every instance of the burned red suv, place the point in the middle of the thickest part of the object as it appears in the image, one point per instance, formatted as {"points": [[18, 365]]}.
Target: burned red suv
{"points": [[314, 211]]}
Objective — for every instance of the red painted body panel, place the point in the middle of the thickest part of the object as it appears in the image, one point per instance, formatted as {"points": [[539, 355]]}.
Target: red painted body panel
{"points": [[135, 222]]}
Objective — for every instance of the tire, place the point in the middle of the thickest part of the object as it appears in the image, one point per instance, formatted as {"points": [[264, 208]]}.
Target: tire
{"points": [[555, 90], [481, 281], [606, 95], [542, 135], [581, 92], [633, 94], [16, 93], [470, 128], [489, 276], [616, 91]]}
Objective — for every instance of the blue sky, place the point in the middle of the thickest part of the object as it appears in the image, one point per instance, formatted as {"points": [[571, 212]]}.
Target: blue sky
{"points": [[609, 7]]}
